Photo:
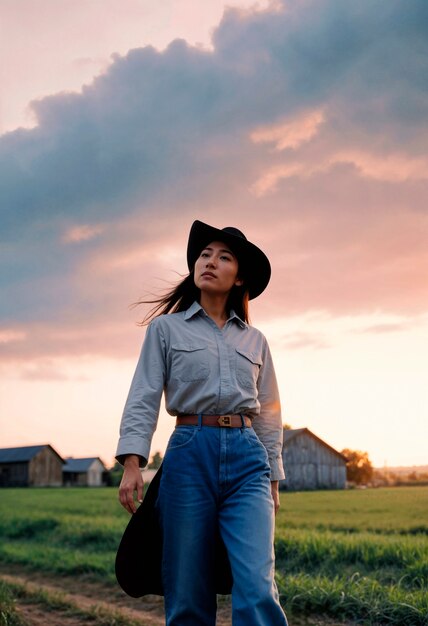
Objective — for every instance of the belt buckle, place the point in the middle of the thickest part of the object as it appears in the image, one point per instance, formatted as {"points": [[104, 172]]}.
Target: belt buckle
{"points": [[225, 420]]}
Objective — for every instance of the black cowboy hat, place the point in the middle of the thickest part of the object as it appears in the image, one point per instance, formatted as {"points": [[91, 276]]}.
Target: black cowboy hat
{"points": [[254, 265], [139, 557]]}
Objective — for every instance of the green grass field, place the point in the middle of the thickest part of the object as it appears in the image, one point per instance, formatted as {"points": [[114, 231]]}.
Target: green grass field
{"points": [[359, 555]]}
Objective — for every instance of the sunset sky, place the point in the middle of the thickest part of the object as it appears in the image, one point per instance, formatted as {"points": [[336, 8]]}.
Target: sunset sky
{"points": [[302, 122]]}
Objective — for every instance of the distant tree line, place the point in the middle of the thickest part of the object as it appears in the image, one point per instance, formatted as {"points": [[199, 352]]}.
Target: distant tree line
{"points": [[388, 478], [359, 471]]}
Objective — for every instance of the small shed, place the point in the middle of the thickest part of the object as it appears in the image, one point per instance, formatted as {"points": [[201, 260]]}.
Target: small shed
{"points": [[85, 472], [30, 466], [310, 462]]}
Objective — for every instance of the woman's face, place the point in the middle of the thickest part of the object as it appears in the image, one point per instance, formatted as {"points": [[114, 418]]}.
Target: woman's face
{"points": [[216, 269]]}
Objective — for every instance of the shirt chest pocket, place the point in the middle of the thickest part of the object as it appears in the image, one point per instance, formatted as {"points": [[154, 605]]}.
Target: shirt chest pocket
{"points": [[189, 362], [247, 367]]}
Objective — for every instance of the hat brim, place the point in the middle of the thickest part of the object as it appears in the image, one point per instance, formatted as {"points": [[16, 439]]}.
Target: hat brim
{"points": [[139, 557], [254, 265]]}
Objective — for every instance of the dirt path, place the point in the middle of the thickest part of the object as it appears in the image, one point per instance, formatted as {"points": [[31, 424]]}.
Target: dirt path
{"points": [[90, 597], [100, 600]]}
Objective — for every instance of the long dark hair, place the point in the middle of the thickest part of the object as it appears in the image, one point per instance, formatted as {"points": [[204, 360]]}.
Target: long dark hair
{"points": [[184, 294]]}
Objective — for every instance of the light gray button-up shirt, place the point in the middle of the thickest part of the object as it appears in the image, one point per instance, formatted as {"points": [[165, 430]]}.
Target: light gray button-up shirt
{"points": [[202, 369]]}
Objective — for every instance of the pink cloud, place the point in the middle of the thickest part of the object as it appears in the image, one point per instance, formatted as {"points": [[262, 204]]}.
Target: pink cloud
{"points": [[387, 328], [393, 168], [47, 370], [292, 133], [385, 167], [302, 340], [10, 335], [84, 232], [268, 181], [46, 342]]}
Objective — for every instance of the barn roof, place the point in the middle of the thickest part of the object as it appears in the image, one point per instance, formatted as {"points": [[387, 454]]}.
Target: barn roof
{"points": [[80, 465], [291, 433], [24, 453]]}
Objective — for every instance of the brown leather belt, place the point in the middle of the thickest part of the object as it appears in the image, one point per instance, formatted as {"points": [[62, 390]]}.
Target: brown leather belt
{"points": [[220, 421]]}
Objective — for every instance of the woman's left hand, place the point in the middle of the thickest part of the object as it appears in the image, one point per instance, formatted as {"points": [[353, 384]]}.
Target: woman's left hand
{"points": [[274, 485]]}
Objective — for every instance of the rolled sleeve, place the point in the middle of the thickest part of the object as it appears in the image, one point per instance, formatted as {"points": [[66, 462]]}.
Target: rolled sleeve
{"points": [[141, 412], [268, 425]]}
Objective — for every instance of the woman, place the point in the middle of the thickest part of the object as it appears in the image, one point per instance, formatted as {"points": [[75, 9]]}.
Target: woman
{"points": [[223, 461]]}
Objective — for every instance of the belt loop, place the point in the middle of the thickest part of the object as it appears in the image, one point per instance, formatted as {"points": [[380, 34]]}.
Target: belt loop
{"points": [[199, 421], [243, 422]]}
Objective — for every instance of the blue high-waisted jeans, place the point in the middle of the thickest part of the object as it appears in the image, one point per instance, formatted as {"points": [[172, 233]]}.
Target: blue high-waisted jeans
{"points": [[217, 476]]}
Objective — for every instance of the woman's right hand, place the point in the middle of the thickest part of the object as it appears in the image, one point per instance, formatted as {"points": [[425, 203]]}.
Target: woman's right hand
{"points": [[132, 482]]}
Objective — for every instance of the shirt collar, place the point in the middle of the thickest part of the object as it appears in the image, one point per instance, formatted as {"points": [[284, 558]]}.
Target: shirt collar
{"points": [[197, 309], [237, 319], [192, 310]]}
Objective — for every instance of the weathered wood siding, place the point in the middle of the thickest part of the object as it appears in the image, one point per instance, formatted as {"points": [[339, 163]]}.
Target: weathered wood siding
{"points": [[45, 469], [311, 465], [95, 474]]}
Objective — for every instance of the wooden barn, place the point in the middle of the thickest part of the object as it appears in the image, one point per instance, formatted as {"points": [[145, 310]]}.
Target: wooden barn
{"points": [[30, 466], [310, 463], [86, 472]]}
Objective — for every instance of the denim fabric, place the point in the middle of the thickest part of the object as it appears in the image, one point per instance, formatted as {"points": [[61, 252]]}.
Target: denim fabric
{"points": [[217, 478], [201, 367]]}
